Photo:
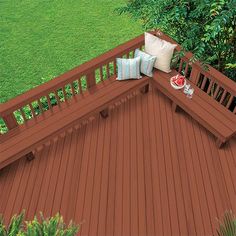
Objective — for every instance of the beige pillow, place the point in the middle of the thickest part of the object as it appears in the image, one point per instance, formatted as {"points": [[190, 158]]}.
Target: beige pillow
{"points": [[160, 48]]}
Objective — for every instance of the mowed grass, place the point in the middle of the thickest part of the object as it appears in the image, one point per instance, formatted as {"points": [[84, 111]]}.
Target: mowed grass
{"points": [[40, 40]]}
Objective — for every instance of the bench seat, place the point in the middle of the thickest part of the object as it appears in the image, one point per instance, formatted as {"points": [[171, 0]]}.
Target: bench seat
{"points": [[35, 132], [201, 107]]}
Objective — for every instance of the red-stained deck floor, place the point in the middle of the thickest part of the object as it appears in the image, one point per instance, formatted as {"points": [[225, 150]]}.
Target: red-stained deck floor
{"points": [[142, 171]]}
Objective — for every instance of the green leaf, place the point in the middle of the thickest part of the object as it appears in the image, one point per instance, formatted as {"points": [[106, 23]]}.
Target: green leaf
{"points": [[207, 28]]}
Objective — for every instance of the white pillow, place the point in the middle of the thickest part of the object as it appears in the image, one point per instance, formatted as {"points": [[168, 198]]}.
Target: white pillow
{"points": [[128, 68], [160, 48]]}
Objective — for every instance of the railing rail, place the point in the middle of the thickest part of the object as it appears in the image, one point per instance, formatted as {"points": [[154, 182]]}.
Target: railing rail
{"points": [[209, 80], [32, 103], [67, 85], [211, 72]]}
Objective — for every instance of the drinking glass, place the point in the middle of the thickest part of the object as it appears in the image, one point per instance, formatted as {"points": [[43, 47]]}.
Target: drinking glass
{"points": [[186, 88], [190, 93]]}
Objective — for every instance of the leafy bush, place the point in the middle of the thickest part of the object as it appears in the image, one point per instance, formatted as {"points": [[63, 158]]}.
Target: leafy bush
{"points": [[227, 227], [53, 226], [207, 28]]}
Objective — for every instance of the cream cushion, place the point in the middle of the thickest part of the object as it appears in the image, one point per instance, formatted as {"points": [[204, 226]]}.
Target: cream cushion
{"points": [[160, 48]]}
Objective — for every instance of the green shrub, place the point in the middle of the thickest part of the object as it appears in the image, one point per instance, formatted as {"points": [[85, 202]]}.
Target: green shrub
{"points": [[53, 226], [227, 227], [206, 28]]}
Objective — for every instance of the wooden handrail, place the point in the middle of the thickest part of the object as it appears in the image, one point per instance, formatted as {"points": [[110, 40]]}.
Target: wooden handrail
{"points": [[102, 65], [211, 72], [85, 71], [215, 84], [60, 81]]}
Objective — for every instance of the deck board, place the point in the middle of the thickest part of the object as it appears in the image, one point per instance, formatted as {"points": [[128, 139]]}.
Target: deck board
{"points": [[144, 170], [119, 175]]}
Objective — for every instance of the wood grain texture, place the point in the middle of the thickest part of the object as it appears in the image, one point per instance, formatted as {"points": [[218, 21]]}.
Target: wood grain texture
{"points": [[28, 137], [145, 170]]}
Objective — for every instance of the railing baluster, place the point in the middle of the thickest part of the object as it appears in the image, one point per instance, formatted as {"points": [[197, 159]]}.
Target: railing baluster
{"points": [[203, 82], [80, 86], [180, 65], [49, 102], [186, 69], [91, 81], [216, 91], [223, 96], [195, 75], [209, 87], [230, 101]]}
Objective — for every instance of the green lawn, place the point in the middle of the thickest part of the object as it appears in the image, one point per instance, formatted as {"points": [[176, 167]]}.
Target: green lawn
{"points": [[42, 39]]}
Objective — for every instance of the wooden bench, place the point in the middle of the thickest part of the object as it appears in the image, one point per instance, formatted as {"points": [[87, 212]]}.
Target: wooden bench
{"points": [[22, 140], [214, 117]]}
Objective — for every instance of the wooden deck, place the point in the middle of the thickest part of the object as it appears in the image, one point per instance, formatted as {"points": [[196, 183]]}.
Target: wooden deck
{"points": [[144, 170]]}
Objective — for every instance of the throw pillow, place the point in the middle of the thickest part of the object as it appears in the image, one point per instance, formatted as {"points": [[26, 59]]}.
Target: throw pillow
{"points": [[160, 48], [128, 68], [147, 62]]}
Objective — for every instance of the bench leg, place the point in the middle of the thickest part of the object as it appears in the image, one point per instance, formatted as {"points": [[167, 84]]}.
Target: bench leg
{"points": [[104, 113], [219, 143], [30, 156], [145, 89], [174, 107]]}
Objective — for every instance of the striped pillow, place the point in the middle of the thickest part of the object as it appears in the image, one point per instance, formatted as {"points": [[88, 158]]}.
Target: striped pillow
{"points": [[147, 62], [128, 68]]}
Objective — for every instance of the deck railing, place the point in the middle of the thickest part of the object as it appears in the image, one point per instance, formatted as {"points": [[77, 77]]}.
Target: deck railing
{"points": [[43, 98], [40, 100], [209, 80]]}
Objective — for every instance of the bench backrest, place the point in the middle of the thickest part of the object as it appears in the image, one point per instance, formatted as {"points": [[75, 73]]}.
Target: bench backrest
{"points": [[211, 81]]}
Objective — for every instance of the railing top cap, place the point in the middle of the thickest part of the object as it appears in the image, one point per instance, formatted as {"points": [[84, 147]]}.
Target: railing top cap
{"points": [[68, 76]]}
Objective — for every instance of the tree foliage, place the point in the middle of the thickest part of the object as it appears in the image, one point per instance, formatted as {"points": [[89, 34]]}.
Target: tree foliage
{"points": [[205, 27]]}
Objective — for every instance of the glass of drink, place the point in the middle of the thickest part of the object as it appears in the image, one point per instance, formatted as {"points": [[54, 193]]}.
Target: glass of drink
{"points": [[186, 88], [190, 93]]}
